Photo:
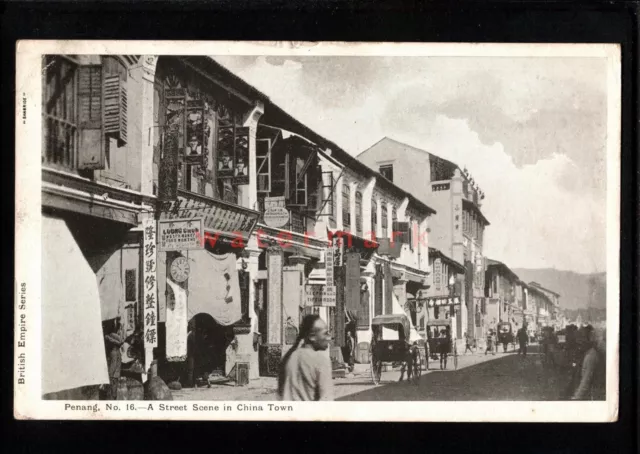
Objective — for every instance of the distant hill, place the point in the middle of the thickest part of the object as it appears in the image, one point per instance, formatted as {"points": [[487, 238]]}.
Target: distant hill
{"points": [[577, 291]]}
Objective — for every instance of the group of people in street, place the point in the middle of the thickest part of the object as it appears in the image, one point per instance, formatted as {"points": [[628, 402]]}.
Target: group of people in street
{"points": [[580, 360], [306, 372], [492, 340]]}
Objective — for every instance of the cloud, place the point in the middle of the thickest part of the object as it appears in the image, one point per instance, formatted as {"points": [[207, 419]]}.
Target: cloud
{"points": [[531, 131]]}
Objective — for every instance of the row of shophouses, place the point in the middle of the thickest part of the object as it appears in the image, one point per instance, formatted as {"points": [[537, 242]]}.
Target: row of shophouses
{"points": [[181, 201]]}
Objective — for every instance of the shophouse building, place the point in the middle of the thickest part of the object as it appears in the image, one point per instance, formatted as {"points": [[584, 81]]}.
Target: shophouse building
{"points": [[458, 227], [207, 221]]}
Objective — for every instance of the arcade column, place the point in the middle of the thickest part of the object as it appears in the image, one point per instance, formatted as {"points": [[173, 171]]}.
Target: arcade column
{"points": [[247, 348], [271, 353]]}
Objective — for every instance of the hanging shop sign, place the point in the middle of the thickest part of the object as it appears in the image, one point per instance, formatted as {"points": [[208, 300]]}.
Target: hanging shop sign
{"points": [[320, 295], [329, 264], [437, 274], [275, 214], [329, 296], [180, 234], [218, 217], [437, 302], [150, 331], [314, 295]]}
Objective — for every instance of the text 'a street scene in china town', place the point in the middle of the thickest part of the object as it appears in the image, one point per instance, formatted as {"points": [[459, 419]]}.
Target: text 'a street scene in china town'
{"points": [[322, 228]]}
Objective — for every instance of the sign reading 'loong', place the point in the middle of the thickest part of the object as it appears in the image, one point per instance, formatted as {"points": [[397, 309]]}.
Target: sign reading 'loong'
{"points": [[180, 234]]}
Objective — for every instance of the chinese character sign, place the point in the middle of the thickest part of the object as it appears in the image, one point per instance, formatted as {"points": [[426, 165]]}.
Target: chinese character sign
{"points": [[329, 263], [150, 321], [437, 274]]}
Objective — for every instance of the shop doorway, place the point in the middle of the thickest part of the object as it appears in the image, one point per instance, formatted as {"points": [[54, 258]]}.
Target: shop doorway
{"points": [[207, 344]]}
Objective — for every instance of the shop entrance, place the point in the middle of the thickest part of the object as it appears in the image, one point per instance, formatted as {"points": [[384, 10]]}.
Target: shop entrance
{"points": [[207, 344]]}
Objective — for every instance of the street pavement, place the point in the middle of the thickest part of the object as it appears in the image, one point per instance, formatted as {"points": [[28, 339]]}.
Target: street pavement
{"points": [[479, 377], [506, 377]]}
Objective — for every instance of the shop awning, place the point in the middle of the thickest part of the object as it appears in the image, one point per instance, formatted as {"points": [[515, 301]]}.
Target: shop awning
{"points": [[73, 352], [219, 218]]}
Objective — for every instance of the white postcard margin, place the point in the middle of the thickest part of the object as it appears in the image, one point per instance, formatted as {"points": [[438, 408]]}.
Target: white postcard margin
{"points": [[27, 359]]}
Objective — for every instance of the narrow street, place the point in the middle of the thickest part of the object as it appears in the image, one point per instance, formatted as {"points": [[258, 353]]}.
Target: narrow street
{"points": [[504, 376]]}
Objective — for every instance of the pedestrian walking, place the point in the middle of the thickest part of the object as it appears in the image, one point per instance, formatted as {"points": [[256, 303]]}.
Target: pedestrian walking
{"points": [[467, 344], [490, 343], [522, 340], [305, 371], [444, 347], [410, 362]]}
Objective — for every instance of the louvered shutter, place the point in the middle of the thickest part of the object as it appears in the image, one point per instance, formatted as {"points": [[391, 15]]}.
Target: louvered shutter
{"points": [[263, 163], [91, 154], [314, 188], [290, 177], [115, 108]]}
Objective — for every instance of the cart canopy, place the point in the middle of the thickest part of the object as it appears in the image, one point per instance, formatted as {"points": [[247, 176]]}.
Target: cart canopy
{"points": [[504, 327], [439, 322], [392, 320]]}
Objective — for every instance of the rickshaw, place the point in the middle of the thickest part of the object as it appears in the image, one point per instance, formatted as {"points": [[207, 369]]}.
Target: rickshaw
{"points": [[435, 343], [390, 343], [505, 335]]}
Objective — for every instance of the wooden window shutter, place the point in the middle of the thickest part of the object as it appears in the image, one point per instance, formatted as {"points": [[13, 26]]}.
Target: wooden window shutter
{"points": [[401, 232], [377, 304], [290, 177], [263, 163], [315, 187], [115, 108], [91, 149]]}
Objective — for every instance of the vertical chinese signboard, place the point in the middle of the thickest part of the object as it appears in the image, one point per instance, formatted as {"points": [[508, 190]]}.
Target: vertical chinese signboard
{"points": [[150, 314], [437, 274]]}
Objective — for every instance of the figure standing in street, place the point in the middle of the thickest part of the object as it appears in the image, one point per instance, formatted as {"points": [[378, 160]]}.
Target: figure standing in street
{"points": [[445, 347], [467, 344], [522, 340], [592, 372], [491, 343], [113, 342], [305, 371]]}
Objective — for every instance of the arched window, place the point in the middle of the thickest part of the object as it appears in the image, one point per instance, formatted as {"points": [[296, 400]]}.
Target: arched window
{"points": [[385, 221], [346, 207], [374, 218]]}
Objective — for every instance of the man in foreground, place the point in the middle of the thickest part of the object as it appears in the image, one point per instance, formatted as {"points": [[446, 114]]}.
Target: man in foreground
{"points": [[305, 371]]}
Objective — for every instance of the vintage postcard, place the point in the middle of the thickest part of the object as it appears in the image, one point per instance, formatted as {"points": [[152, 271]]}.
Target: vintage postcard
{"points": [[278, 230]]}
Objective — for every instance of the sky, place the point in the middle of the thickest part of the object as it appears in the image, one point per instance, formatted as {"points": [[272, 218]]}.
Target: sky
{"points": [[531, 131]]}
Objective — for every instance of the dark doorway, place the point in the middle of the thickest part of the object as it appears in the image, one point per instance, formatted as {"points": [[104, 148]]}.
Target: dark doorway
{"points": [[207, 344]]}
